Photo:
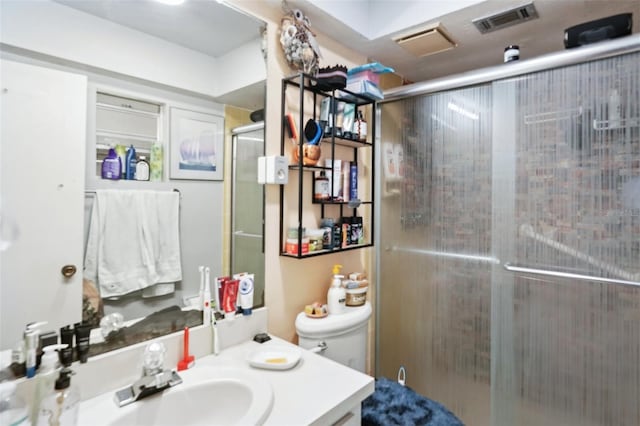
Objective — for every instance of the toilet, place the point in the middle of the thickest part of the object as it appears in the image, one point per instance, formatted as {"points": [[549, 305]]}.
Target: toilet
{"points": [[345, 335]]}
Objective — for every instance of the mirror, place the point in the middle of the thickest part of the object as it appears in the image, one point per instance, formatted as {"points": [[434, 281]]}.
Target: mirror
{"points": [[199, 57]]}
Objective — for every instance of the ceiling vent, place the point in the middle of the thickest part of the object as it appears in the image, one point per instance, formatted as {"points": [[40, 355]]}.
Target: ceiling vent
{"points": [[427, 41], [506, 18]]}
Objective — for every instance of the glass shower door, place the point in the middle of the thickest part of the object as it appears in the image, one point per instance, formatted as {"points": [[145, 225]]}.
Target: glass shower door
{"points": [[509, 259], [247, 221]]}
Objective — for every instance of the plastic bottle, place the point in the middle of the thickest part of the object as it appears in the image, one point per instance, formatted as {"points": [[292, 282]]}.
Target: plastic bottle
{"points": [[61, 406], [130, 166], [111, 166], [155, 162], [337, 295], [13, 410], [46, 378], [142, 169], [31, 341]]}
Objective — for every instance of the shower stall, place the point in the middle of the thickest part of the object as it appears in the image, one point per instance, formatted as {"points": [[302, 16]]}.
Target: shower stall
{"points": [[508, 273]]}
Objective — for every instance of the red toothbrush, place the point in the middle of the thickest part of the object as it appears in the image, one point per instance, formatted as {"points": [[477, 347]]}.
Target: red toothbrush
{"points": [[187, 361]]}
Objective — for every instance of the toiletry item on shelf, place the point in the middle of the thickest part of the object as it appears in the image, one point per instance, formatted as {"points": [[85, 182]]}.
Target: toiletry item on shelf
{"points": [[46, 378], [110, 323], [339, 118], [187, 360], [356, 296], [360, 127], [121, 150], [336, 297], [335, 178], [13, 410], [130, 164], [229, 298], [61, 406], [326, 116], [321, 187], [353, 181], [346, 231], [82, 331], [346, 181], [316, 239], [245, 293], [206, 299], [326, 224], [357, 230], [111, 166], [31, 341], [156, 162], [348, 120], [142, 169], [337, 234], [291, 245]]}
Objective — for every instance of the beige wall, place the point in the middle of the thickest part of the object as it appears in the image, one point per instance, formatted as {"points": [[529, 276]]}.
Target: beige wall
{"points": [[293, 283]]}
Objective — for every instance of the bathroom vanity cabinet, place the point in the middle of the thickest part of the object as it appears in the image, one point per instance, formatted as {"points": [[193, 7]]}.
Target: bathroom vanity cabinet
{"points": [[302, 208]]}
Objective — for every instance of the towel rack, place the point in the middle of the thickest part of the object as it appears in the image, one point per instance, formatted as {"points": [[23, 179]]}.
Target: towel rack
{"points": [[515, 268], [93, 191]]}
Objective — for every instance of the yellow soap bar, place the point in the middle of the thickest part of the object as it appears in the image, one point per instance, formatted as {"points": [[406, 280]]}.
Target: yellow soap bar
{"points": [[281, 360]]}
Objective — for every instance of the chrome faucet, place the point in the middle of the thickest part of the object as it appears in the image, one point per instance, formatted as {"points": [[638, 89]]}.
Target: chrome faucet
{"points": [[154, 377]]}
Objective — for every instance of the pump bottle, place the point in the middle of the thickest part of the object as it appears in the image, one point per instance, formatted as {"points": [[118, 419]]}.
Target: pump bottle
{"points": [[61, 406], [46, 377], [337, 295]]}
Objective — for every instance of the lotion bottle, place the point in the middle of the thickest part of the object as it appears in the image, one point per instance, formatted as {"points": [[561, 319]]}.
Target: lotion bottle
{"points": [[61, 406], [46, 377], [337, 295]]}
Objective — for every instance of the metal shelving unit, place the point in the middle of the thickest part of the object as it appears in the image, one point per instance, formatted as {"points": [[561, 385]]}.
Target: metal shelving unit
{"points": [[306, 86]]}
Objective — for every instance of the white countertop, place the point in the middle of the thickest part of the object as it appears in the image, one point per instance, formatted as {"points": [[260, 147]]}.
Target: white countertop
{"points": [[316, 391]]}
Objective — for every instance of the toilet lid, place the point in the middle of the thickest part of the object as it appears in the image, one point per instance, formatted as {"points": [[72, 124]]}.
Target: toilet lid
{"points": [[354, 317]]}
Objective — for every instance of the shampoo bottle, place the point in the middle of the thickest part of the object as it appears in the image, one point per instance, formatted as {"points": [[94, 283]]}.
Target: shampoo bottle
{"points": [[337, 295], [61, 406]]}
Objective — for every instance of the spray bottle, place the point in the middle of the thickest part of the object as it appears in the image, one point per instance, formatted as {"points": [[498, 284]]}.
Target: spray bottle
{"points": [[337, 295]]}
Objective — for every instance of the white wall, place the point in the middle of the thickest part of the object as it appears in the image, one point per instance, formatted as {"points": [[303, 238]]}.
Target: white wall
{"points": [[62, 32]]}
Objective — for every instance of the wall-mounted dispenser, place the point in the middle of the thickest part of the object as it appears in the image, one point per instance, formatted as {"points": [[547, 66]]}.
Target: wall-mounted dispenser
{"points": [[273, 169]]}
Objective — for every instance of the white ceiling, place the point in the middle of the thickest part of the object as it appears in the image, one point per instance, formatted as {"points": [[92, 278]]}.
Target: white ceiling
{"points": [[474, 50], [206, 26], [368, 26]]}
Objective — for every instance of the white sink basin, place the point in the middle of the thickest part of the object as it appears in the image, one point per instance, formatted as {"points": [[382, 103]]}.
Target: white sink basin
{"points": [[207, 396]]}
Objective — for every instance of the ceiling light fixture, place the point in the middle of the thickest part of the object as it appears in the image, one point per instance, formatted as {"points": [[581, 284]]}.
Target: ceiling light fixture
{"points": [[171, 2]]}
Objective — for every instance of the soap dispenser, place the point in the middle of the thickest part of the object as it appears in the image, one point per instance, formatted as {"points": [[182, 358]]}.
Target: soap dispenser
{"points": [[337, 295], [46, 377], [61, 406]]}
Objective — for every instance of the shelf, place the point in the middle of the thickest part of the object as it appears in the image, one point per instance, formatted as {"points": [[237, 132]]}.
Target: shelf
{"points": [[299, 79], [309, 168], [340, 203], [325, 251], [296, 197], [346, 142]]}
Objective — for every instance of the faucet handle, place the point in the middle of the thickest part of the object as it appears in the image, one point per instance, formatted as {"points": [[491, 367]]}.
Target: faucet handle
{"points": [[153, 358]]}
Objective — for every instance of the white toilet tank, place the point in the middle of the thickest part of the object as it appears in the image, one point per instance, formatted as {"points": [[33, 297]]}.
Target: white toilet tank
{"points": [[345, 335]]}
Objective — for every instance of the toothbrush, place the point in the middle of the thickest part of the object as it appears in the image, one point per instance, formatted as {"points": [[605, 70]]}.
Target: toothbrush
{"points": [[201, 293], [206, 301], [216, 341]]}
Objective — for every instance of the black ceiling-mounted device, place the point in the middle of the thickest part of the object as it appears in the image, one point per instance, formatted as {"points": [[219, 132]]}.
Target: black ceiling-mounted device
{"points": [[598, 30]]}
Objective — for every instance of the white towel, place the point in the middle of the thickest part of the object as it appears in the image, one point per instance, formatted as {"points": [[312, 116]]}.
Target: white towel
{"points": [[133, 241]]}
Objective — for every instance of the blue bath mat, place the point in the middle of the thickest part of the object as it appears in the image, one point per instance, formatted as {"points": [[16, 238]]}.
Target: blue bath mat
{"points": [[394, 404]]}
